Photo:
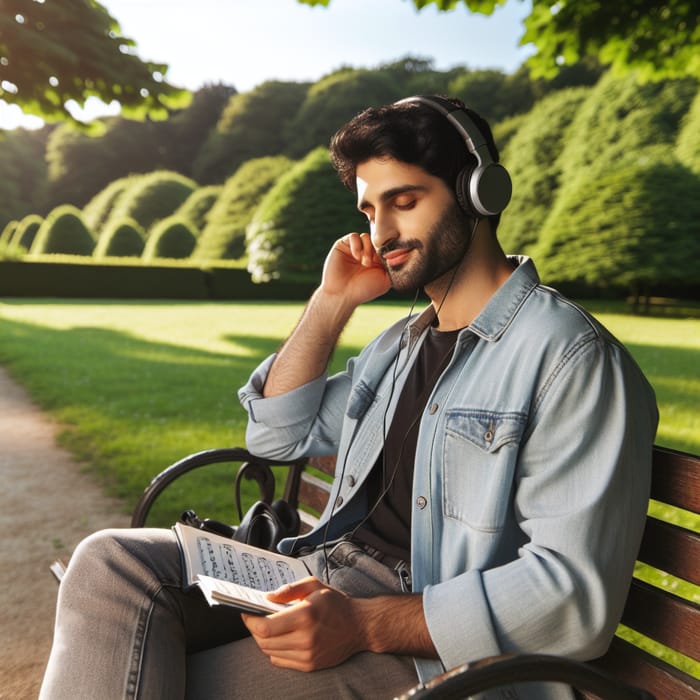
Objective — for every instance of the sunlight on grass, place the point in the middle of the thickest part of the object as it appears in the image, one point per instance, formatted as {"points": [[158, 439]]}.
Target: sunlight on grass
{"points": [[139, 385]]}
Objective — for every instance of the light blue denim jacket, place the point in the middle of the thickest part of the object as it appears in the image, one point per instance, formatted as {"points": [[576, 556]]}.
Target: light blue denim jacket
{"points": [[532, 470]]}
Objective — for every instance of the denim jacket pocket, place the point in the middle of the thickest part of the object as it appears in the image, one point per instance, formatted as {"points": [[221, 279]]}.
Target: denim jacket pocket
{"points": [[480, 453]]}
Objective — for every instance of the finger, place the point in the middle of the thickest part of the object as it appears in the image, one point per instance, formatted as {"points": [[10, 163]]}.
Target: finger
{"points": [[354, 240], [277, 625], [297, 590], [368, 253]]}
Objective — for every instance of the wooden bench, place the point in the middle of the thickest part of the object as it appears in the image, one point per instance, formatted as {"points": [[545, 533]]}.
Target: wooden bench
{"points": [[626, 671]]}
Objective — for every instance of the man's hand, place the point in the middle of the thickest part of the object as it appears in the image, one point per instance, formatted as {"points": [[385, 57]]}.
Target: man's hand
{"points": [[325, 626], [353, 269], [319, 631], [352, 275]]}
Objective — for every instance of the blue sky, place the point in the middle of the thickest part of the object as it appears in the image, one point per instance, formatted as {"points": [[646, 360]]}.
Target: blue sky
{"points": [[245, 42]]}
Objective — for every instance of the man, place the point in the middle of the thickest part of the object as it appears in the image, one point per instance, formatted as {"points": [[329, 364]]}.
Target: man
{"points": [[493, 458]]}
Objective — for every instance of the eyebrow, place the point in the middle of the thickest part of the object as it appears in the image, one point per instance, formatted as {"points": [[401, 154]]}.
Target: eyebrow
{"points": [[390, 194]]}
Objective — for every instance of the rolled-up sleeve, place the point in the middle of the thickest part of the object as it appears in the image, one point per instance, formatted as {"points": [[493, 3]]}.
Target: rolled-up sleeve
{"points": [[302, 422]]}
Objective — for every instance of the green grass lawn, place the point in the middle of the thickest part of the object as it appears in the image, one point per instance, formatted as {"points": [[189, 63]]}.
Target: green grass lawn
{"points": [[140, 385]]}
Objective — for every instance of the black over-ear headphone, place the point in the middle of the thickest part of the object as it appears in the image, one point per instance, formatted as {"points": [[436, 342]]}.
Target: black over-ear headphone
{"points": [[483, 190]]}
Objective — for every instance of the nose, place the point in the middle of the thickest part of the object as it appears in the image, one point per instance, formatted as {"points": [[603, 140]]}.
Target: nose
{"points": [[382, 229]]}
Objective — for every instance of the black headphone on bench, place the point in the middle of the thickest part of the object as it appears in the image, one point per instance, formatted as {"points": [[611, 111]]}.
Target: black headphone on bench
{"points": [[483, 190]]}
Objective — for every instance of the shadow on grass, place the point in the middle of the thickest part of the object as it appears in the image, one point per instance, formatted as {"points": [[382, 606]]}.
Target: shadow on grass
{"points": [[133, 406]]}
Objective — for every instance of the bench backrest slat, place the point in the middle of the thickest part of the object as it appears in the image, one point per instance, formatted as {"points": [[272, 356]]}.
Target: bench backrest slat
{"points": [[671, 549], [676, 479], [665, 618], [654, 611]]}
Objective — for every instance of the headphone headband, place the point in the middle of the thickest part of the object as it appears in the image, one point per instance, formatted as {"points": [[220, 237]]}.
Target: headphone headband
{"points": [[483, 190]]}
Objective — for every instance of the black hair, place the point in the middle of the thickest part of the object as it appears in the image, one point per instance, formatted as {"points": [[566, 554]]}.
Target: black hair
{"points": [[410, 132]]}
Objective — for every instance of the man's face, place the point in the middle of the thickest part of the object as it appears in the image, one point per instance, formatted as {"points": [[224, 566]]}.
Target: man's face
{"points": [[417, 227]]}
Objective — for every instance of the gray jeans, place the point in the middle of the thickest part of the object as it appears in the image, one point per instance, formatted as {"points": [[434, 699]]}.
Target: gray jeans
{"points": [[126, 629]]}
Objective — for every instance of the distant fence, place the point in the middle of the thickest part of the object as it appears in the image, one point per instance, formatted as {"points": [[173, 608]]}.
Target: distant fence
{"points": [[59, 279]]}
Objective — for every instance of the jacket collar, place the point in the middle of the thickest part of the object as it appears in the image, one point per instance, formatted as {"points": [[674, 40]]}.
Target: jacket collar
{"points": [[501, 309]]}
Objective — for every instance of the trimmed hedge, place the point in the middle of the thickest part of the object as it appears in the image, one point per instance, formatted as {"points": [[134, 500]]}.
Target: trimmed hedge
{"points": [[224, 234], [152, 197], [8, 232], [197, 206], [298, 221], [92, 280], [26, 231], [170, 238], [63, 231], [124, 238]]}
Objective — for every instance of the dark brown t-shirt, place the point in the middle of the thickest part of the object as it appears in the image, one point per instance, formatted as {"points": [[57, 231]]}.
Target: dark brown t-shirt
{"points": [[390, 484]]}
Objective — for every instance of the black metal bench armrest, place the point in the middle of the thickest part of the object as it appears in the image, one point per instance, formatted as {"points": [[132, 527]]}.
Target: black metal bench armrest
{"points": [[479, 676], [252, 467]]}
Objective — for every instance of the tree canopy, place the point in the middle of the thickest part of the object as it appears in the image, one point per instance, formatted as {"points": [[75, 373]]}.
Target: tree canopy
{"points": [[54, 52], [657, 39]]}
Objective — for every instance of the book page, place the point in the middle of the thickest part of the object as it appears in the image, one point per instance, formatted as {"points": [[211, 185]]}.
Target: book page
{"points": [[219, 592], [224, 559]]}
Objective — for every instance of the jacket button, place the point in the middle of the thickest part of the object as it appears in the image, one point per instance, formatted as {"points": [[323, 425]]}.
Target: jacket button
{"points": [[488, 436], [421, 502], [433, 408], [338, 501], [351, 481]]}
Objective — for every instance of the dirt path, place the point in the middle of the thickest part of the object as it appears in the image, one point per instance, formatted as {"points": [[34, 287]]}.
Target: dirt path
{"points": [[47, 505]]}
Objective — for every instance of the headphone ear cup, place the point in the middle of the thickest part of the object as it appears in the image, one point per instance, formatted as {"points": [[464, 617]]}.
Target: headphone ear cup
{"points": [[260, 527], [489, 188], [462, 190], [288, 517]]}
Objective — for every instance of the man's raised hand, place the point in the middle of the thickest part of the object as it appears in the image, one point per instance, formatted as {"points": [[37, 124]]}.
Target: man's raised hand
{"points": [[354, 269]]}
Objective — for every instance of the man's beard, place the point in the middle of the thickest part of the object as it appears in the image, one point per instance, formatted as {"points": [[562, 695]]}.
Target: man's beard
{"points": [[445, 247]]}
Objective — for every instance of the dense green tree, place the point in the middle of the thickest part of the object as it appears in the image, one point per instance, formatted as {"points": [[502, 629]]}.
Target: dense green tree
{"points": [[63, 231], [224, 234], [298, 220], [252, 125], [586, 72], [618, 117], [414, 75], [489, 93], [53, 52], [635, 226], [688, 145], [152, 197], [173, 237], [504, 131], [189, 128], [196, 207], [532, 158], [658, 39], [333, 100], [123, 238], [23, 174], [618, 120], [82, 164]]}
